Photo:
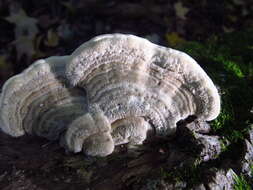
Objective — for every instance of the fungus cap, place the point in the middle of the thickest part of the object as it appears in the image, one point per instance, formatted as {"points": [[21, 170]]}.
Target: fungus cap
{"points": [[122, 86], [128, 76], [39, 101]]}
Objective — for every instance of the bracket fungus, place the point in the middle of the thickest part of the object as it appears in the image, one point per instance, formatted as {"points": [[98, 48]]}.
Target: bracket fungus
{"points": [[111, 90]]}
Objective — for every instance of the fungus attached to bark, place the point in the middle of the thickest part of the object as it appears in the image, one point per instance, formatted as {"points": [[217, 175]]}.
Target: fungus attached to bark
{"points": [[133, 86], [130, 77]]}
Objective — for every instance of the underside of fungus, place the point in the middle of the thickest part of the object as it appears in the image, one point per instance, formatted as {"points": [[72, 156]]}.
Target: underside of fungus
{"points": [[112, 90]]}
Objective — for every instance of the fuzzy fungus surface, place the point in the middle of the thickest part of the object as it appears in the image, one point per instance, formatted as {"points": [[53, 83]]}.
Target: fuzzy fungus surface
{"points": [[111, 90]]}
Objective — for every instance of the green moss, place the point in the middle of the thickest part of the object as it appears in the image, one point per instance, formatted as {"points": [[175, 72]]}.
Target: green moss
{"points": [[172, 175], [189, 174], [241, 183], [250, 69], [231, 51], [227, 59], [195, 49], [226, 117], [224, 144], [231, 66]]}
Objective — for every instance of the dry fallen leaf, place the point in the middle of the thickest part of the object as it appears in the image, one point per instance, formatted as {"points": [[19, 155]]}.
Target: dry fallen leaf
{"points": [[25, 32], [38, 53], [2, 61], [69, 6], [181, 11], [227, 29], [174, 39], [239, 2], [24, 46], [52, 39]]}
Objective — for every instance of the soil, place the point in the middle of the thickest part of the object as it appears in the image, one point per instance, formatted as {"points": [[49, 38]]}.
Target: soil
{"points": [[33, 163], [30, 163]]}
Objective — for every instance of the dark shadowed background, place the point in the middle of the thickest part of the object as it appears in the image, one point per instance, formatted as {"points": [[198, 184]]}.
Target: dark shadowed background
{"points": [[33, 29], [217, 33]]}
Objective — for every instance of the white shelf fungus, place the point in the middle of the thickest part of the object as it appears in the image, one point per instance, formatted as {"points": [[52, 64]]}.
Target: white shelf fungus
{"points": [[112, 90]]}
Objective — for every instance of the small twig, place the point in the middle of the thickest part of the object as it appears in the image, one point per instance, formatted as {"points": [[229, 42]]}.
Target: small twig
{"points": [[45, 145]]}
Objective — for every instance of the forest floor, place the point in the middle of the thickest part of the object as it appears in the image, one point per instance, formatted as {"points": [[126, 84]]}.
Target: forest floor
{"points": [[36, 29]]}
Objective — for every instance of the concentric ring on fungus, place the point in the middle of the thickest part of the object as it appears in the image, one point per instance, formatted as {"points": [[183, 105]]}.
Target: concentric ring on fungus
{"points": [[128, 76], [132, 86], [38, 101]]}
